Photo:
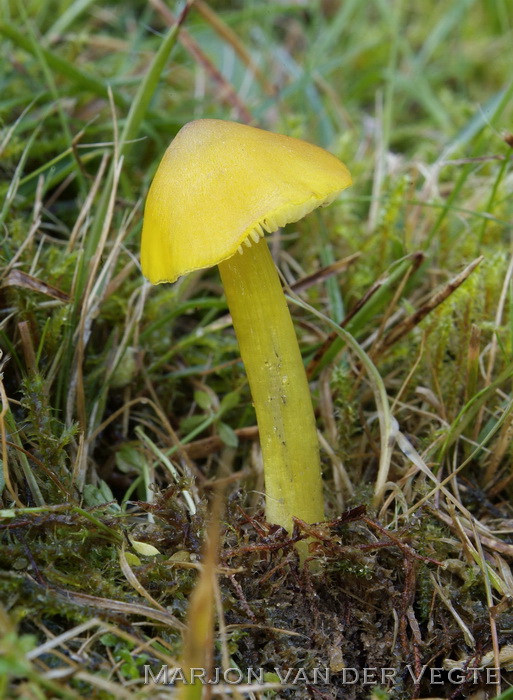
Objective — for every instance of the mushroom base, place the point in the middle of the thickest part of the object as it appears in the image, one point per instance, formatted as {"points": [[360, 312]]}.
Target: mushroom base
{"points": [[279, 387]]}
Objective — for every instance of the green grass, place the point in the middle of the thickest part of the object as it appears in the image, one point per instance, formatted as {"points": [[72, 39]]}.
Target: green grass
{"points": [[123, 405]]}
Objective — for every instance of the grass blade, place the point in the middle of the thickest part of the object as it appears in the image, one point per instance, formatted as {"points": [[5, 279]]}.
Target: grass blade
{"points": [[386, 429]]}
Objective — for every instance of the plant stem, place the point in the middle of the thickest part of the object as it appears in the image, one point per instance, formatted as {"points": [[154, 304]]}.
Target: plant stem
{"points": [[277, 378]]}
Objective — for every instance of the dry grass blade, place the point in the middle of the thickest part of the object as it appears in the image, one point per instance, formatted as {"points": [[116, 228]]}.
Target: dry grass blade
{"points": [[207, 446], [227, 92], [34, 228], [231, 38], [94, 295], [122, 607], [277, 630], [85, 209], [469, 637], [114, 689], [406, 268], [324, 273], [505, 658], [199, 637], [487, 539], [134, 582], [18, 278], [27, 347], [64, 637], [499, 450], [403, 328]]}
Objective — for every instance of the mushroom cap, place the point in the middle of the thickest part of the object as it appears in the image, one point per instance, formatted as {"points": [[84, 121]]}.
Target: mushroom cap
{"points": [[220, 183]]}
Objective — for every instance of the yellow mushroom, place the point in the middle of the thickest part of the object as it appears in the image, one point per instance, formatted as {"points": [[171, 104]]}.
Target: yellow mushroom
{"points": [[219, 188]]}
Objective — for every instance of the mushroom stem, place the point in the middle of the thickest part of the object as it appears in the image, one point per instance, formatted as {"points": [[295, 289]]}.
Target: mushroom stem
{"points": [[277, 378]]}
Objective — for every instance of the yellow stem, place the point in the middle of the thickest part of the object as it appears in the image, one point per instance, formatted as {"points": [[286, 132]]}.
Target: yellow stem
{"points": [[277, 378]]}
